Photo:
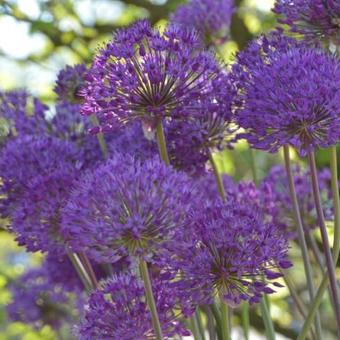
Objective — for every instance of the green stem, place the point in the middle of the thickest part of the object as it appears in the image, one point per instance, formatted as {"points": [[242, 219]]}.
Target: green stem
{"points": [[268, 323], [217, 318], [225, 321], [301, 235], [324, 236], [163, 153], [336, 247], [253, 165], [218, 177], [100, 136], [88, 267], [194, 328], [150, 299], [80, 271], [200, 323], [245, 319], [211, 325]]}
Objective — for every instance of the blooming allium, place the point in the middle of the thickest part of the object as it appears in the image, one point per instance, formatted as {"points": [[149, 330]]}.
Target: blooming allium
{"points": [[190, 141], [69, 81], [38, 302], [230, 250], [287, 94], [142, 74], [277, 181], [211, 18], [37, 173], [315, 19], [126, 207], [118, 310], [21, 114]]}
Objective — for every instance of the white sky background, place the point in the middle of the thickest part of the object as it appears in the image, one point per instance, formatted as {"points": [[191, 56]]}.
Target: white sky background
{"points": [[16, 42]]}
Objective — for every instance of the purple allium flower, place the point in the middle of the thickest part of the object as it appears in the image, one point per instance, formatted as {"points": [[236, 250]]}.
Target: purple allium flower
{"points": [[21, 114], [38, 302], [287, 94], [69, 81], [315, 19], [37, 173], [126, 207], [277, 181], [211, 18], [142, 74], [190, 141], [230, 250], [118, 310], [60, 271]]}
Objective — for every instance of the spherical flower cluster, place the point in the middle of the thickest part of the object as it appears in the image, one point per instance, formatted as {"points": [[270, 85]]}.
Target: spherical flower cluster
{"points": [[21, 114], [277, 181], [315, 19], [142, 74], [118, 310], [230, 250], [69, 81], [287, 95], [38, 302], [59, 271], [126, 207], [35, 193], [211, 18], [191, 141]]}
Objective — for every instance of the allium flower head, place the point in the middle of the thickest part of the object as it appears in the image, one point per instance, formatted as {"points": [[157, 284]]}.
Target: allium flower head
{"points": [[118, 310], [38, 302], [21, 114], [37, 173], [126, 207], [190, 141], [277, 181], [69, 81], [211, 18], [230, 250], [142, 74], [287, 94], [315, 19]]}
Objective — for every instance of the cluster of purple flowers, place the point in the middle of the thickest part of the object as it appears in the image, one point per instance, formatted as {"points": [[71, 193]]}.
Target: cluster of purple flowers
{"points": [[102, 210], [287, 95], [315, 19], [211, 19], [38, 301]]}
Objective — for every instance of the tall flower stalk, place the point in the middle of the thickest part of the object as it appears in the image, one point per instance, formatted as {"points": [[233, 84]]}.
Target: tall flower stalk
{"points": [[150, 299], [324, 236], [301, 236], [336, 247]]}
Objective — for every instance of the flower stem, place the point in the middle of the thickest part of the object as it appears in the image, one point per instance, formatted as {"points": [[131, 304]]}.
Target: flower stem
{"points": [[80, 271], [218, 320], [268, 324], [163, 153], [336, 247], [200, 323], [150, 299], [218, 177], [301, 236], [245, 319], [324, 236], [88, 267], [194, 328], [225, 321], [253, 165], [100, 136], [211, 325]]}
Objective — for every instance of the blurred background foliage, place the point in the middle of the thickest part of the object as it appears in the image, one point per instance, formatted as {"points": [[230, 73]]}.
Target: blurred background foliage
{"points": [[39, 37]]}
